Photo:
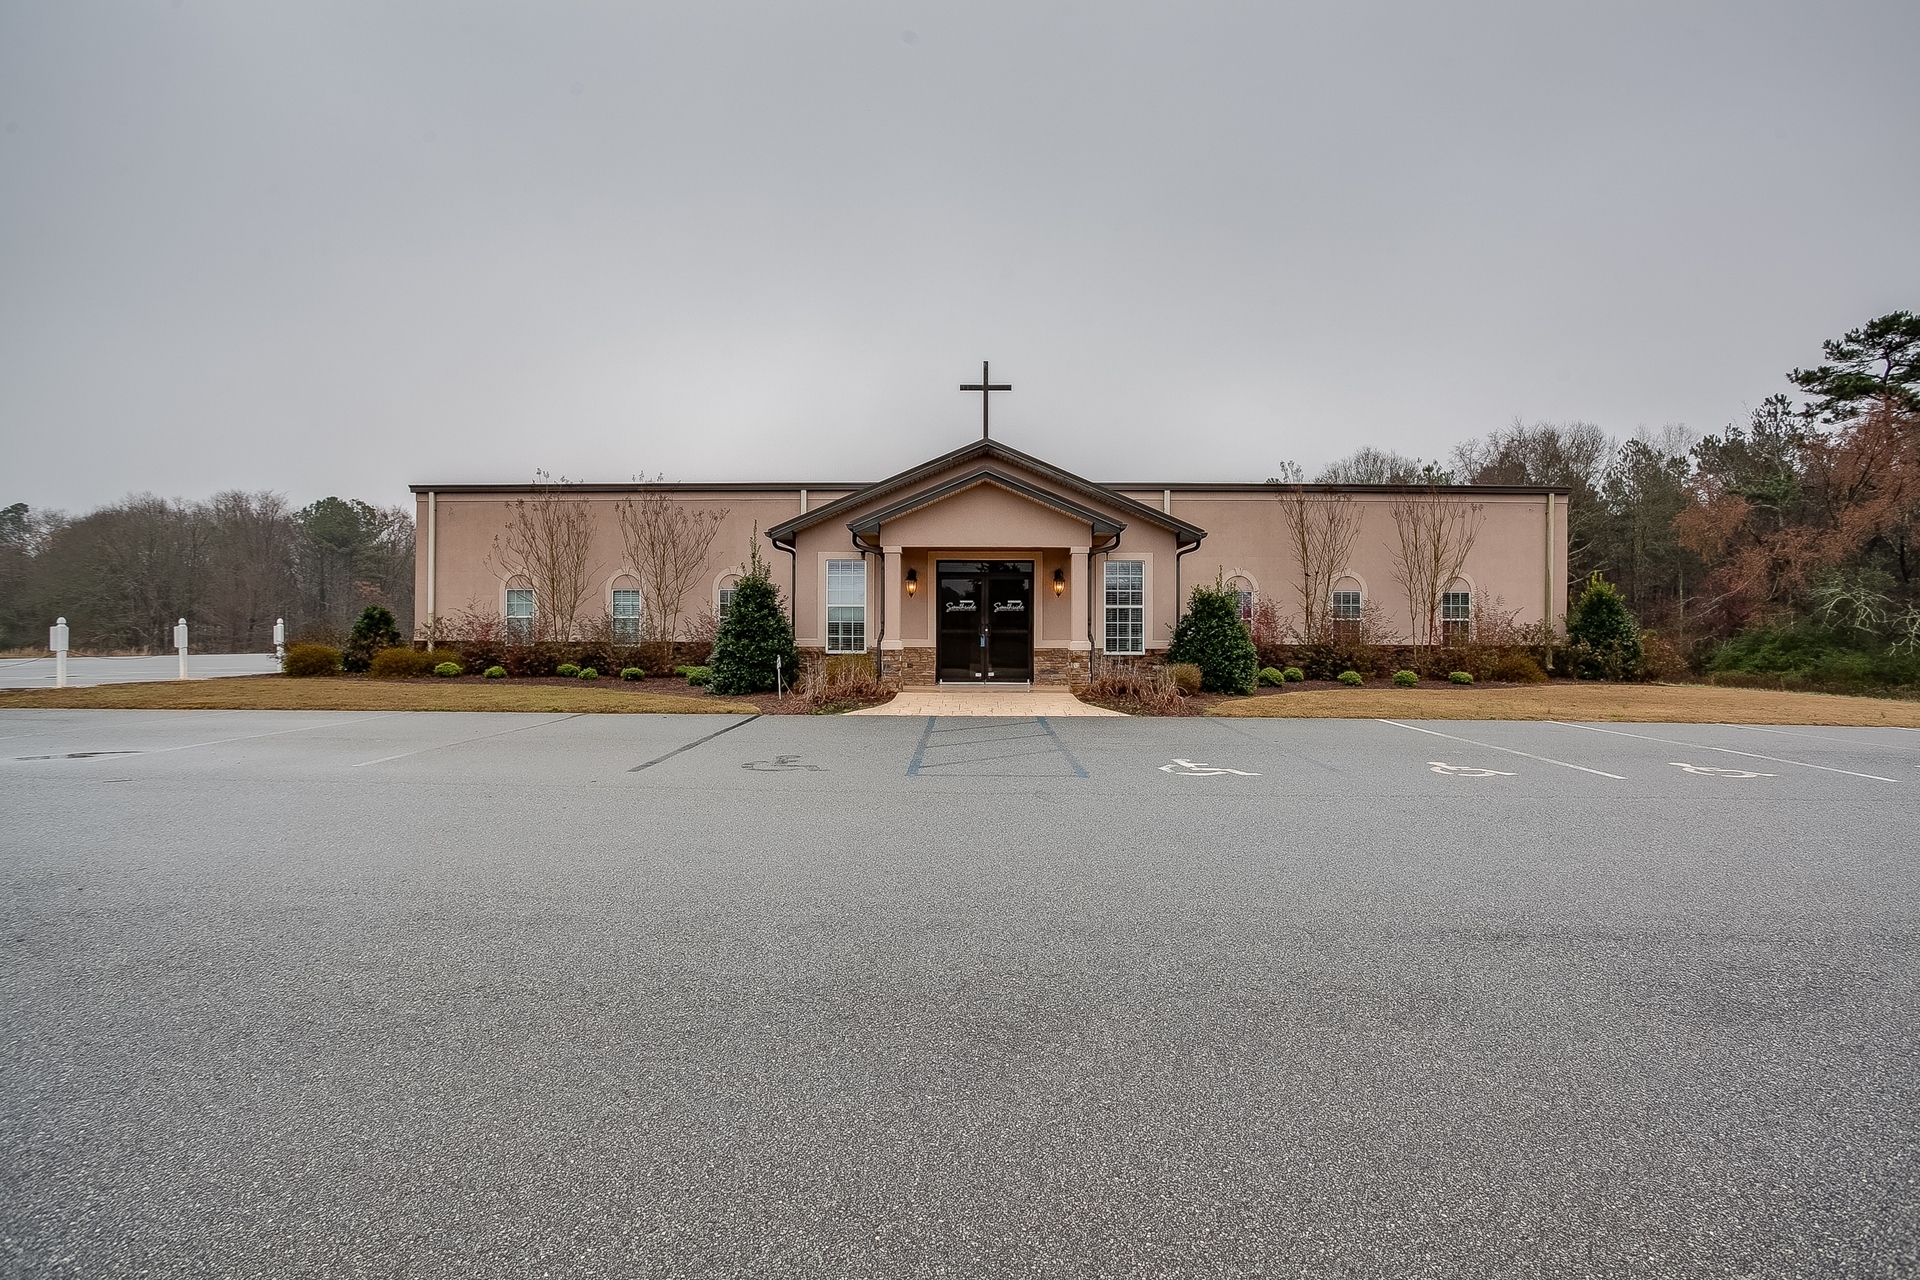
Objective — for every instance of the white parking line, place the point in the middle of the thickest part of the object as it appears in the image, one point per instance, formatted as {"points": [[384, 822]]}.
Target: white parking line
{"points": [[440, 746], [1821, 737], [1700, 746], [1509, 750]]}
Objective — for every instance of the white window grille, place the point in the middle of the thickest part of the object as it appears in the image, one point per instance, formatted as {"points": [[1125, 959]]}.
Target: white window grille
{"points": [[626, 616], [1346, 606], [1126, 587], [520, 613], [1456, 616], [846, 606]]}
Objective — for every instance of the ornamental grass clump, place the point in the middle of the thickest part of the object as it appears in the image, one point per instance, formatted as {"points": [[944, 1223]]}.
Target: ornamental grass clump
{"points": [[1405, 679], [311, 660], [1187, 677], [400, 663], [1140, 691], [1518, 668], [1211, 636], [753, 650]]}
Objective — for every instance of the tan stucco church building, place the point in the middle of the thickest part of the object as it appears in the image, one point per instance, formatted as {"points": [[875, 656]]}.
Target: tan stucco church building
{"points": [[988, 565]]}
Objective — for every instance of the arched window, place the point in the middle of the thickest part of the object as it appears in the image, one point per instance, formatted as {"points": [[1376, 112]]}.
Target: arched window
{"points": [[626, 609], [1242, 589], [1346, 609]]}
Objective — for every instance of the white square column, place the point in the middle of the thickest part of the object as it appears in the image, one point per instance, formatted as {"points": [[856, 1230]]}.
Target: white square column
{"points": [[1077, 595]]}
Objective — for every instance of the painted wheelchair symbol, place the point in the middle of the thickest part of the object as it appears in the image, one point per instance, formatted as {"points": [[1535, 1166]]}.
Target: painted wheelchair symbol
{"points": [[781, 764], [1708, 771], [1199, 769], [1466, 770]]}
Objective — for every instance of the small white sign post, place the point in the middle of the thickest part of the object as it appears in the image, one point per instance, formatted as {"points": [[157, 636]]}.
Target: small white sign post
{"points": [[280, 640], [180, 643], [57, 641]]}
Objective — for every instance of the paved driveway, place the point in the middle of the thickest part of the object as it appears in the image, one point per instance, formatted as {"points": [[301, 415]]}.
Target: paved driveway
{"points": [[303, 994]]}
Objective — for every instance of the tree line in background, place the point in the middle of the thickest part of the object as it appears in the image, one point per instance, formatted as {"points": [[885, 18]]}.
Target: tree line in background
{"points": [[122, 575], [1787, 544]]}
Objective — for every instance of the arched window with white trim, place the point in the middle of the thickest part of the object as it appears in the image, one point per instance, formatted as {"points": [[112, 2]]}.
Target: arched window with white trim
{"points": [[625, 609], [520, 610]]}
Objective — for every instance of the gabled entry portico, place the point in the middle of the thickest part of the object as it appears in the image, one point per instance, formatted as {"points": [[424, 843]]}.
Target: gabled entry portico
{"points": [[990, 566]]}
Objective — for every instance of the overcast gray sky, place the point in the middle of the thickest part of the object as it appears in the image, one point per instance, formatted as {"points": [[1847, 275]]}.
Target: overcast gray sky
{"points": [[337, 247]]}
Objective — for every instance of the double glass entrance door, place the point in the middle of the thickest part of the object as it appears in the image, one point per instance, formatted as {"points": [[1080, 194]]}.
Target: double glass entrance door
{"points": [[986, 620]]}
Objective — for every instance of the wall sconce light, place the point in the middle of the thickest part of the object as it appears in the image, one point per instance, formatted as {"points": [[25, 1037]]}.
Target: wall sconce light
{"points": [[1059, 582], [913, 581]]}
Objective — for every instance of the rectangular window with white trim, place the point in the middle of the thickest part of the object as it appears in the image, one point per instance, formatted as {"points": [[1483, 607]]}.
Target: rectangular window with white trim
{"points": [[1456, 616], [1126, 590], [846, 606], [520, 614], [626, 616]]}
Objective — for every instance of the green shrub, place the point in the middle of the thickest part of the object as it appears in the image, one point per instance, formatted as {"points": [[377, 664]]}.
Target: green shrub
{"points": [[1406, 679], [1272, 676], [1293, 673], [400, 663], [373, 632], [1187, 677], [1519, 668], [632, 673], [567, 669], [1816, 656], [1604, 640], [1349, 677], [1460, 677], [1211, 636], [683, 671], [449, 669], [754, 646], [588, 673], [700, 675], [495, 673], [311, 660]]}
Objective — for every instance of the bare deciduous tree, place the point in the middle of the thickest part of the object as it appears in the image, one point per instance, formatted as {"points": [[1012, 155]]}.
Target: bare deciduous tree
{"points": [[1322, 527], [1435, 535], [549, 541], [666, 543]]}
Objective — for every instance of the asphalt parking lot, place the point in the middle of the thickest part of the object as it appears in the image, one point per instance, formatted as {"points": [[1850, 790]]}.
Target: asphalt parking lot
{"points": [[305, 994]]}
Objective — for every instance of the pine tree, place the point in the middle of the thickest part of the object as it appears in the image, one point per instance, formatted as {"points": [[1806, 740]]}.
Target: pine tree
{"points": [[754, 633], [374, 631], [1605, 639], [1211, 636]]}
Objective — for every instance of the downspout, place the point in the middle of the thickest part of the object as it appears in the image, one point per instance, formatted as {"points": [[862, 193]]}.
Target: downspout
{"points": [[793, 581], [1093, 551], [432, 528], [1183, 551], [1546, 610]]}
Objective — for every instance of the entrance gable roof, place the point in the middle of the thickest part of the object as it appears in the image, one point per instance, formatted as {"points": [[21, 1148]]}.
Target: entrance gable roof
{"points": [[988, 452]]}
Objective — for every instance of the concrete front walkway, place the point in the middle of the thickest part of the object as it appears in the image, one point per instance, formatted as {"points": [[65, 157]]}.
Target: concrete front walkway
{"points": [[1023, 701]]}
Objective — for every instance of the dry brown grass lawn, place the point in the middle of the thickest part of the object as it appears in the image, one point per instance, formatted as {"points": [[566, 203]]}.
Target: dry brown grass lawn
{"points": [[277, 693], [1648, 703]]}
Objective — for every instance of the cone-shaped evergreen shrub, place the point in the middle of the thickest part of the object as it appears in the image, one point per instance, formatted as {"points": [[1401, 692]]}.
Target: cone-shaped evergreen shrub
{"points": [[373, 632], [754, 633], [1604, 638], [1211, 636]]}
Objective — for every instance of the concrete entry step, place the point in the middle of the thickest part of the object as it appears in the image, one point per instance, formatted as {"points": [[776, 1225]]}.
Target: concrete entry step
{"points": [[1022, 701]]}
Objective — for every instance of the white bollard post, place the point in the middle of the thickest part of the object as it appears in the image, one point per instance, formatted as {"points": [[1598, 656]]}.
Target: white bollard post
{"points": [[57, 641], [280, 640], [180, 643]]}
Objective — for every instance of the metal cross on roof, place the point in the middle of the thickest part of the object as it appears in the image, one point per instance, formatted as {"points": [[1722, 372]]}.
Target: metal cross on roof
{"points": [[986, 386]]}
